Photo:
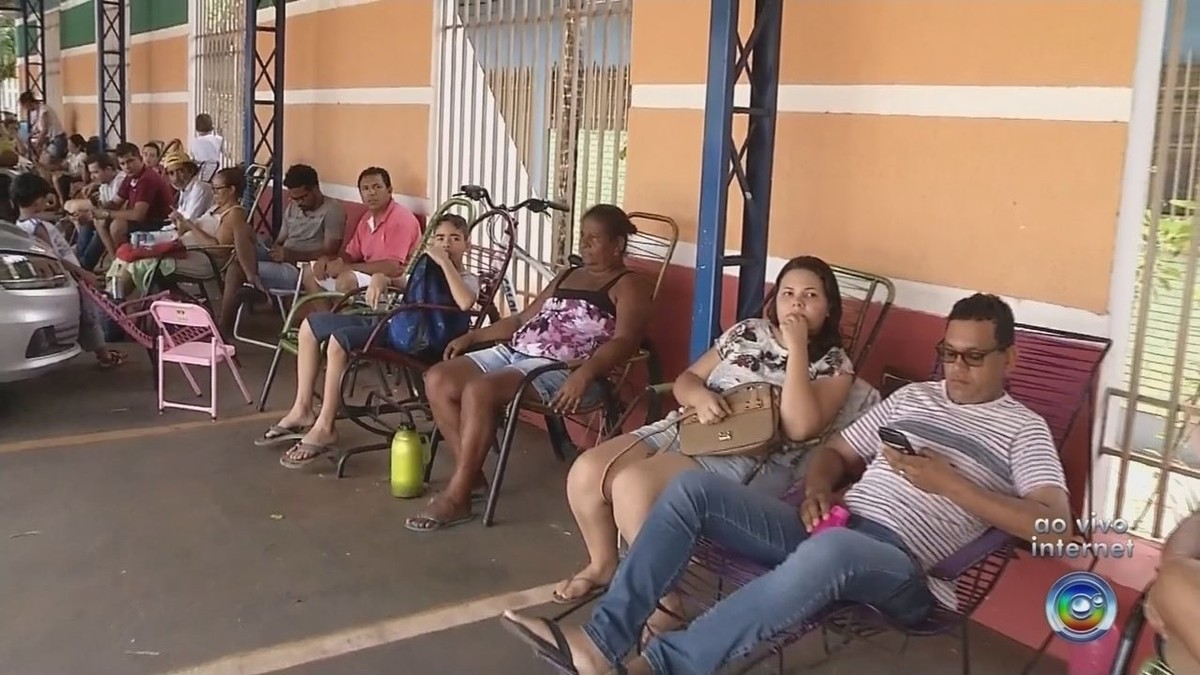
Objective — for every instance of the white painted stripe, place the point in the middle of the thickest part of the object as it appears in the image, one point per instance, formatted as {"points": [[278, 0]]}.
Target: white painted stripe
{"points": [[77, 51], [363, 96], [1076, 104], [182, 30], [358, 96], [142, 97], [937, 300], [300, 652]]}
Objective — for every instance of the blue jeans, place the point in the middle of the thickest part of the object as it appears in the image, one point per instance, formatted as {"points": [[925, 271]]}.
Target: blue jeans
{"points": [[351, 331], [88, 247], [863, 562]]}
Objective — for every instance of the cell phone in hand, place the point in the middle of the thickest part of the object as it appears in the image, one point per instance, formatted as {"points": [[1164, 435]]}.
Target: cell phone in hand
{"points": [[896, 440]]}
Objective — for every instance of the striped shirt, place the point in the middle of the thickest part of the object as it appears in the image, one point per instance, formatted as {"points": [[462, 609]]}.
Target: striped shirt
{"points": [[1001, 446]]}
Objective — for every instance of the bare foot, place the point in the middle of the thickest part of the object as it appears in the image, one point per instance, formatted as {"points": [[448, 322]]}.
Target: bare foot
{"points": [[319, 436], [295, 420], [661, 622], [586, 658]]}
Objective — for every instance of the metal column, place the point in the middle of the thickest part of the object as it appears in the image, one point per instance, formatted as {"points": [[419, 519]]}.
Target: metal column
{"points": [[111, 72], [33, 38], [262, 136], [750, 163]]}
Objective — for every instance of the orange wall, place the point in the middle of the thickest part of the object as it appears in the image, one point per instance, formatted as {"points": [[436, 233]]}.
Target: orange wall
{"points": [[339, 138], [911, 197], [342, 139]]}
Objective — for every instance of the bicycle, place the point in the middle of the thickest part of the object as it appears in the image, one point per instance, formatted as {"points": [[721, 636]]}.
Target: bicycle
{"points": [[478, 193]]}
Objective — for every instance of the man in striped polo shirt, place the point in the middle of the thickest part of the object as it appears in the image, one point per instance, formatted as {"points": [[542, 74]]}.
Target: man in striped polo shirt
{"points": [[982, 460]]}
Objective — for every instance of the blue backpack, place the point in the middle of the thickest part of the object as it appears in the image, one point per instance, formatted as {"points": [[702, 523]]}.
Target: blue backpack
{"points": [[425, 333]]}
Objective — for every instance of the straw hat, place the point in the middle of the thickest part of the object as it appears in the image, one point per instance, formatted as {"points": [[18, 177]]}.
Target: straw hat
{"points": [[177, 159]]}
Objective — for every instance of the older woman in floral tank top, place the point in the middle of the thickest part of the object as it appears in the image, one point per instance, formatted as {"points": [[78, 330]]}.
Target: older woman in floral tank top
{"points": [[797, 347], [597, 313]]}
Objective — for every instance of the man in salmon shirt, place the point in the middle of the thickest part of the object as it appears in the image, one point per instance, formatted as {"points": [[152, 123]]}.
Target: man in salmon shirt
{"points": [[386, 236]]}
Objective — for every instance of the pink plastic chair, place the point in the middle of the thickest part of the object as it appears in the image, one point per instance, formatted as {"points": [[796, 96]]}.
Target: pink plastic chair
{"points": [[188, 336]]}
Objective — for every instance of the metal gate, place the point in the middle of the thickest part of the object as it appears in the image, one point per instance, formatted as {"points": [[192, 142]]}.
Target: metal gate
{"points": [[533, 100], [1157, 440], [219, 34]]}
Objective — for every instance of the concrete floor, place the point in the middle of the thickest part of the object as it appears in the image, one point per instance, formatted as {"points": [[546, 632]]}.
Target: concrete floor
{"points": [[140, 543]]}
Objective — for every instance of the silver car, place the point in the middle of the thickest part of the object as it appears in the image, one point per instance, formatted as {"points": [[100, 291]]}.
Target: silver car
{"points": [[39, 308]]}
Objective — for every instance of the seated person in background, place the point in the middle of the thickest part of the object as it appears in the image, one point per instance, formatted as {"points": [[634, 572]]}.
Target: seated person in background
{"points": [[106, 182], [195, 195], [8, 210], [1173, 601], [597, 313], [385, 238], [144, 201], [215, 231], [9, 142], [982, 460], [30, 193], [314, 435], [313, 226], [152, 156], [71, 179], [798, 347], [77, 155]]}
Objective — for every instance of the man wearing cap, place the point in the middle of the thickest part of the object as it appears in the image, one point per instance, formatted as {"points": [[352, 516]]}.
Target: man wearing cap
{"points": [[195, 196]]}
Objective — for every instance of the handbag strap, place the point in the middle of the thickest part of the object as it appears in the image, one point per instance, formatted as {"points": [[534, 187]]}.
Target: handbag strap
{"points": [[605, 496]]}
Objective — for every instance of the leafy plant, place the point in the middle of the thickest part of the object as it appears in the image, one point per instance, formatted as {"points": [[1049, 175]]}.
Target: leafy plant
{"points": [[8, 48], [1174, 238]]}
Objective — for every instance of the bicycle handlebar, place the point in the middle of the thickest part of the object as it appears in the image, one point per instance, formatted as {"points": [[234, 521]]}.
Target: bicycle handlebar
{"points": [[479, 193]]}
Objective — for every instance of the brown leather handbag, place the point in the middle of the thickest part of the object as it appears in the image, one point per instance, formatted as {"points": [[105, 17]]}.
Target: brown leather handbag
{"points": [[751, 429]]}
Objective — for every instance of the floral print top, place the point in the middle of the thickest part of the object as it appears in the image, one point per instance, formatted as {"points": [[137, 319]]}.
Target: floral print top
{"points": [[572, 323], [750, 353]]}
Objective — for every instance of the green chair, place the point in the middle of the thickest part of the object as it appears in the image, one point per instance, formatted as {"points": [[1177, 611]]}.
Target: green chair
{"points": [[350, 303]]}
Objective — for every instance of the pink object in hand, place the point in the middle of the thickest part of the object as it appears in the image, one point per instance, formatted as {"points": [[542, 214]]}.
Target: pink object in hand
{"points": [[838, 517]]}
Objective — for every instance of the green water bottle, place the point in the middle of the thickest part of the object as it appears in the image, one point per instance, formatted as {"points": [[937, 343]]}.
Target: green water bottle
{"points": [[408, 464]]}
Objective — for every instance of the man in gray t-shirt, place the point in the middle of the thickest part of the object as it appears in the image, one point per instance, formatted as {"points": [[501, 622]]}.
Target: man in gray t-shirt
{"points": [[313, 226]]}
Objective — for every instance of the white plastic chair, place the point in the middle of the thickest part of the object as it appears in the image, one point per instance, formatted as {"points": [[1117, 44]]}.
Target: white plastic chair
{"points": [[194, 341]]}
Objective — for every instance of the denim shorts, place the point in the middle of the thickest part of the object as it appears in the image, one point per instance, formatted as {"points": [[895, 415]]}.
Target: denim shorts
{"points": [[772, 477], [350, 330], [276, 276], [547, 384]]}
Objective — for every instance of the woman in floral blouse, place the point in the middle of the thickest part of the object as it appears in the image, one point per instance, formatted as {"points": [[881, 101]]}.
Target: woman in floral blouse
{"points": [[797, 347], [595, 315]]}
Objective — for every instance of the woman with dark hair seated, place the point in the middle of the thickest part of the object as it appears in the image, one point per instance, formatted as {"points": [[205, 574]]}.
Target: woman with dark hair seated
{"points": [[215, 230], [596, 314], [797, 347]]}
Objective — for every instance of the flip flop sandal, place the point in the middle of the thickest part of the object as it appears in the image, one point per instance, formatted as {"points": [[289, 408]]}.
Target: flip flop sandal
{"points": [[278, 434], [594, 590], [558, 654], [312, 452], [650, 632], [425, 524], [115, 358]]}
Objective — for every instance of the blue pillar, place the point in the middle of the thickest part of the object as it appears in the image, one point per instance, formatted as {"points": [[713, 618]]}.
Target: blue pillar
{"points": [[750, 164], [262, 136], [111, 69]]}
